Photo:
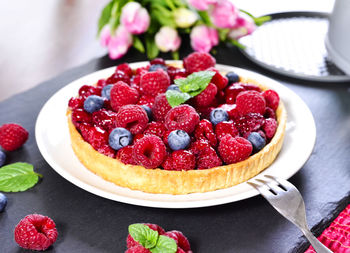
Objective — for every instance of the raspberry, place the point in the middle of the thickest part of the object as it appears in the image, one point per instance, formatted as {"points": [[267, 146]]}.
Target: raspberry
{"points": [[123, 94], [101, 83], [160, 107], [231, 110], [146, 100], [234, 149], [137, 249], [142, 70], [118, 76], [198, 146], [269, 113], [219, 80], [270, 127], [183, 242], [133, 118], [165, 137], [88, 90], [207, 158], [106, 150], [135, 80], [125, 68], [231, 93], [80, 116], [130, 242], [206, 97], [35, 232], [157, 61], [125, 155], [272, 99], [204, 131], [250, 86], [75, 103], [224, 128], [149, 151], [153, 83], [156, 128], [198, 61], [175, 73], [97, 137], [104, 119], [136, 137], [12, 136], [182, 117], [249, 123], [250, 102], [84, 129], [181, 160]]}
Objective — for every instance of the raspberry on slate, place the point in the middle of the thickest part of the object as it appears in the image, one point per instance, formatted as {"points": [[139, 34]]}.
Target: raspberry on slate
{"points": [[125, 155], [130, 242], [105, 119], [154, 83], [204, 131], [249, 123], [125, 68], [88, 90], [132, 117], [137, 249], [234, 149], [198, 61], [149, 151], [35, 232], [123, 94], [206, 97], [224, 128], [270, 127], [12, 136], [231, 93], [181, 160], [272, 99], [156, 128], [219, 80], [160, 107], [183, 242], [250, 102], [182, 117], [118, 76]]}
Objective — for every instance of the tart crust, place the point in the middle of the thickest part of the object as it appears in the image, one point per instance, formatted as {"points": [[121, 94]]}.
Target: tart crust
{"points": [[179, 182]]}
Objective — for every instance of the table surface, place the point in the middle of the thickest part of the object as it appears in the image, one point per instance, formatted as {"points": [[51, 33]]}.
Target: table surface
{"points": [[88, 223]]}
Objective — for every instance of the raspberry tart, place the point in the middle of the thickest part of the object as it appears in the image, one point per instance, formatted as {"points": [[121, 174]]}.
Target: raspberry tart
{"points": [[176, 128]]}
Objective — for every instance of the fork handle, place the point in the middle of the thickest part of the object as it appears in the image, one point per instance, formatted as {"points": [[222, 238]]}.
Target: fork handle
{"points": [[318, 246]]}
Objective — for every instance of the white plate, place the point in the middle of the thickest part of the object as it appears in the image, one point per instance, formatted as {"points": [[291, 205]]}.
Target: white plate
{"points": [[53, 140]]}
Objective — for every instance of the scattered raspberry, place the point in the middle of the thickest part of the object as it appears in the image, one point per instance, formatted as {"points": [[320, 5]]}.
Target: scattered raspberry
{"points": [[133, 118], [35, 232], [270, 127], [231, 93], [118, 76], [219, 80], [88, 90], [125, 155], [207, 158], [231, 109], [234, 149], [175, 73], [156, 128], [272, 99], [182, 117], [249, 123], [250, 86], [183, 242], [97, 137], [181, 160], [125, 68], [226, 127], [75, 103], [122, 94], [206, 97], [269, 113], [198, 61], [146, 100], [12, 136], [160, 107], [104, 119], [130, 242], [101, 83], [107, 151], [149, 151], [137, 249], [204, 131], [154, 83], [250, 102]]}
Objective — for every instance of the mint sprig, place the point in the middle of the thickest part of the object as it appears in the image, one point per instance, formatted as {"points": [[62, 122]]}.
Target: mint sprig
{"points": [[151, 239], [17, 177], [190, 87]]}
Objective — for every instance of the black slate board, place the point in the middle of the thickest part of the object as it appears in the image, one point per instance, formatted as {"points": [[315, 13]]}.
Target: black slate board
{"points": [[88, 223]]}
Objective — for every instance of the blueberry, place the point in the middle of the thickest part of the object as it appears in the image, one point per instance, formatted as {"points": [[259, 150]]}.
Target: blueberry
{"points": [[148, 111], [2, 158], [173, 87], [257, 141], [93, 103], [119, 138], [3, 202], [178, 139], [155, 67], [232, 77], [106, 91], [218, 115]]}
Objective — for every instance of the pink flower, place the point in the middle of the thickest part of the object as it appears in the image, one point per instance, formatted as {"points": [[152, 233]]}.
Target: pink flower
{"points": [[224, 14], [203, 38], [135, 18], [242, 28], [167, 39], [105, 36], [201, 5], [119, 43]]}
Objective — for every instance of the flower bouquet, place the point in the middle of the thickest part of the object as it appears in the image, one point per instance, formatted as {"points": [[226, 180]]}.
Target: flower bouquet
{"points": [[152, 26]]}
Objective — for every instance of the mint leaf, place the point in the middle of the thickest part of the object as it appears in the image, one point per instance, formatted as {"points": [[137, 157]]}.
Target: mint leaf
{"points": [[17, 177], [176, 98], [143, 235], [195, 83], [165, 245]]}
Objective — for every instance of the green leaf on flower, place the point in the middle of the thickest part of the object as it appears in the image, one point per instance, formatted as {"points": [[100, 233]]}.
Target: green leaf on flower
{"points": [[164, 245], [175, 55], [205, 17], [195, 83], [176, 98], [137, 43], [105, 16], [144, 235], [237, 44], [151, 47], [257, 20], [17, 177]]}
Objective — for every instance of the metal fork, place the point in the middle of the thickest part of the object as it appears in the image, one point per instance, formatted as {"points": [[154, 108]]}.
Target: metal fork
{"points": [[287, 200]]}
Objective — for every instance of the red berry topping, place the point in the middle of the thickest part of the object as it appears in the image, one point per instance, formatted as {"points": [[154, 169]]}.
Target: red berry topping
{"points": [[142, 70], [125, 155], [182, 117], [219, 80], [154, 83], [250, 102], [132, 117], [250, 86], [249, 123], [106, 150], [137, 137], [181, 160], [88, 90], [208, 158], [84, 129], [125, 68], [12, 136], [234, 149], [198, 61], [35, 232], [226, 127], [204, 112], [204, 131], [81, 116], [269, 113], [104, 119], [75, 103], [231, 93], [272, 99], [160, 107], [198, 146], [137, 249], [206, 97], [97, 137], [146, 100], [156, 128], [123, 94], [101, 83], [149, 151], [118, 76], [135, 81], [270, 127], [157, 61], [175, 73], [231, 109]]}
